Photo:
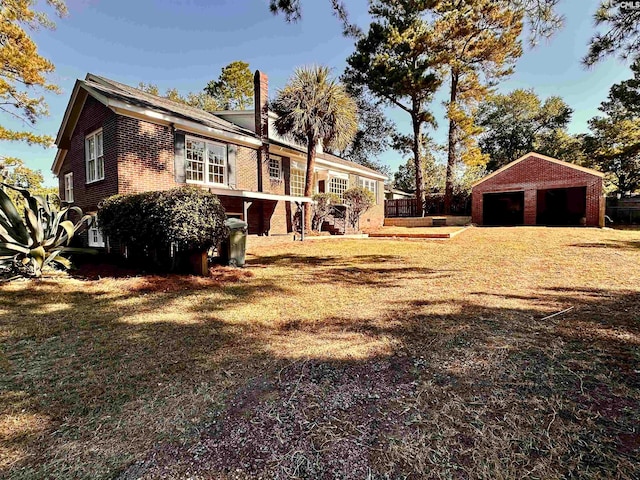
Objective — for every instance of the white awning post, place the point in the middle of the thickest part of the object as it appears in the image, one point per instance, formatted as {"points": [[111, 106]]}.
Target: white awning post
{"points": [[304, 206]]}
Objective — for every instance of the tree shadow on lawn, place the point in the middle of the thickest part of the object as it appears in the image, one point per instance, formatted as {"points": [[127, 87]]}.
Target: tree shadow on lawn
{"points": [[295, 260], [369, 270], [75, 359], [486, 392], [386, 277], [615, 244]]}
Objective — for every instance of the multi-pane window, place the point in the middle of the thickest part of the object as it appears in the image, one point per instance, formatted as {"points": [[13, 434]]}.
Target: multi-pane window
{"points": [[217, 165], [68, 187], [94, 156], [96, 237], [206, 162], [275, 167], [297, 180], [368, 184], [195, 160], [338, 186]]}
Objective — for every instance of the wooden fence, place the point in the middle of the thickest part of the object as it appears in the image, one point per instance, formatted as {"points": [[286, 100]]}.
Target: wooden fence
{"points": [[624, 210], [401, 207]]}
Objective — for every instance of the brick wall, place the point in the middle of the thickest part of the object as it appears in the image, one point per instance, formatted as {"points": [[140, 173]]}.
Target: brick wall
{"points": [[139, 156], [374, 217], [87, 196], [145, 156], [247, 169], [533, 174]]}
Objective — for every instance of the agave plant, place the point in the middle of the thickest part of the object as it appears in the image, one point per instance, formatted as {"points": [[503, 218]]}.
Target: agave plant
{"points": [[39, 238]]}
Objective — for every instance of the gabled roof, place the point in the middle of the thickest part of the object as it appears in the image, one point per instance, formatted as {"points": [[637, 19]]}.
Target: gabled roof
{"points": [[542, 157], [120, 91], [127, 100]]}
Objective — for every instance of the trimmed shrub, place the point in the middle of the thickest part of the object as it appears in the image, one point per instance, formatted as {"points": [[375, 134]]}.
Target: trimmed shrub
{"points": [[359, 200], [185, 219]]}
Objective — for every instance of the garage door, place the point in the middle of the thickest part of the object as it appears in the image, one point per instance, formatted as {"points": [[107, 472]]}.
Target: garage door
{"points": [[505, 208], [562, 206]]}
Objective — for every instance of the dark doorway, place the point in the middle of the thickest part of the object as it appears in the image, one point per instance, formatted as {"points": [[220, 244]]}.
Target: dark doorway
{"points": [[506, 208], [321, 186], [562, 206]]}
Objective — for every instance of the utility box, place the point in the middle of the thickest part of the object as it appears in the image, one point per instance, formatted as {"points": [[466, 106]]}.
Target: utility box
{"points": [[236, 244]]}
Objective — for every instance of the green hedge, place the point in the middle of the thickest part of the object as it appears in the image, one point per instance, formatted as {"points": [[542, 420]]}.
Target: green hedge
{"points": [[188, 218]]}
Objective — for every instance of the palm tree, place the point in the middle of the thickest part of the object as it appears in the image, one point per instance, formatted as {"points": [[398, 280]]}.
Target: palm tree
{"points": [[314, 109]]}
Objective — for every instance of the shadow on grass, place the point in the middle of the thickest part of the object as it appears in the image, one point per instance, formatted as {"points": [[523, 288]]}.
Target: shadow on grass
{"points": [[73, 357], [294, 260], [614, 244], [484, 391]]}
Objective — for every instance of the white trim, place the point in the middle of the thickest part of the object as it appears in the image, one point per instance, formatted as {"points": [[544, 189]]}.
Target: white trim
{"points": [[87, 137], [94, 229], [58, 161], [345, 184], [99, 242], [300, 180], [67, 113], [359, 171], [68, 187], [542, 157], [288, 152], [298, 165], [367, 183], [279, 160], [334, 174], [258, 195], [205, 173]]}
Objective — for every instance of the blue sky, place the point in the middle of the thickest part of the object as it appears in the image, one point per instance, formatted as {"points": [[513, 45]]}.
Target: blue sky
{"points": [[185, 43]]}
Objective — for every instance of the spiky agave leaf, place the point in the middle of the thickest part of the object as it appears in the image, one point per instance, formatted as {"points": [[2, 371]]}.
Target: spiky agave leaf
{"points": [[41, 237]]}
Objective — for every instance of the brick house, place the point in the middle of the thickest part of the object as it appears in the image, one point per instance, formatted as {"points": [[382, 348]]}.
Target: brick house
{"points": [[539, 190], [118, 139]]}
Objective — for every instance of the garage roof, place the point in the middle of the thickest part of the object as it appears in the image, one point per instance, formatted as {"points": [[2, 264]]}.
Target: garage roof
{"points": [[543, 157]]}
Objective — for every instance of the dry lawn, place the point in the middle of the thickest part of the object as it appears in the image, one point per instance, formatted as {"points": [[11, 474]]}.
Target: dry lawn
{"points": [[353, 359], [416, 231]]}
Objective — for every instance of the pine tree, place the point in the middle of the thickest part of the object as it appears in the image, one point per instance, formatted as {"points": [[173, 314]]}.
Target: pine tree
{"points": [[23, 71], [395, 62], [477, 42], [234, 88]]}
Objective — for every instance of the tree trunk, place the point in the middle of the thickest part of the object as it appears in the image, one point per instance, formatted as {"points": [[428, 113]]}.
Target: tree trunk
{"points": [[308, 185], [417, 139], [451, 158]]}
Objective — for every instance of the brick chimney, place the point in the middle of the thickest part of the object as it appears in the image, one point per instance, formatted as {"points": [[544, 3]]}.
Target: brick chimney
{"points": [[261, 111], [260, 99]]}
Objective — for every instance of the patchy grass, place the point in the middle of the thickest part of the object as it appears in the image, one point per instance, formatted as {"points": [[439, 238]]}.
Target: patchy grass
{"points": [[416, 232], [348, 359]]}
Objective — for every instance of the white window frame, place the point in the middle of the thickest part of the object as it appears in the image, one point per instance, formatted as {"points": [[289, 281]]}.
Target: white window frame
{"points": [[95, 235], [369, 184], [211, 168], [275, 167], [68, 187], [94, 156], [339, 182], [297, 180]]}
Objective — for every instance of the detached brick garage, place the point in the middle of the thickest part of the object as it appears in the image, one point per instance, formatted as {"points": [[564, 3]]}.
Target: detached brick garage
{"points": [[539, 190]]}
